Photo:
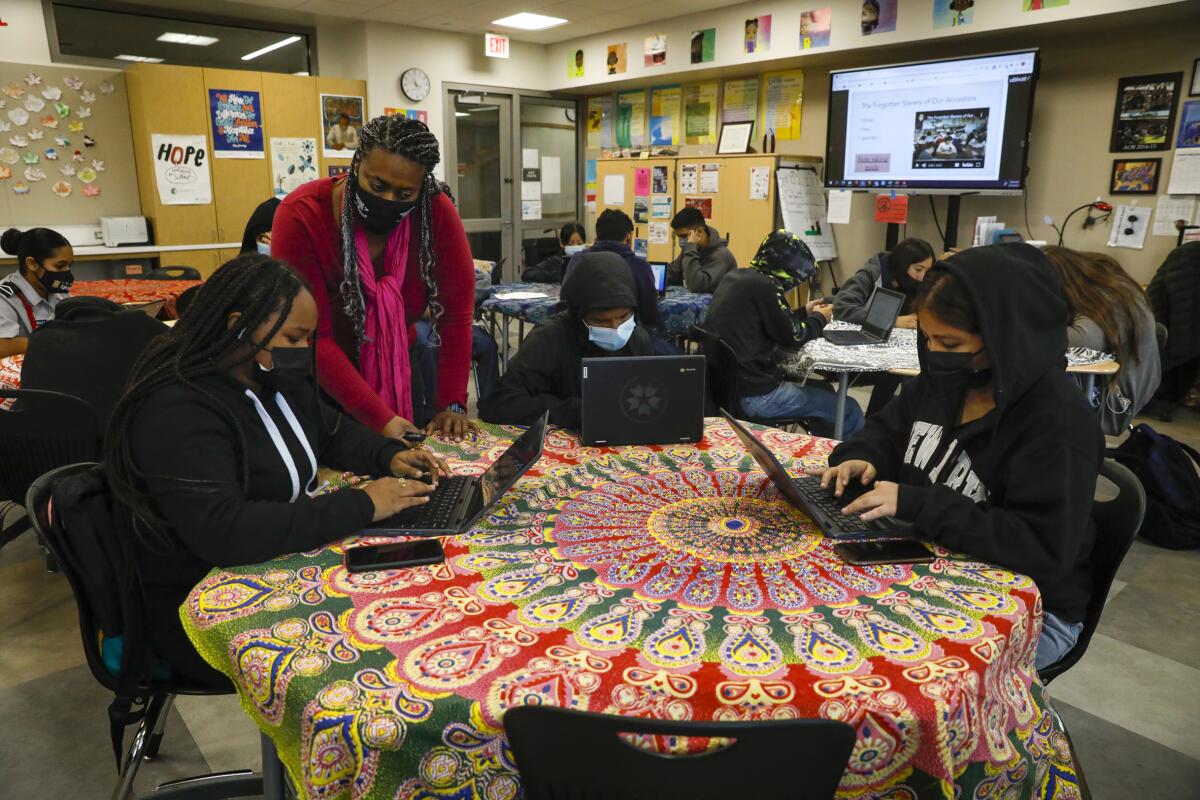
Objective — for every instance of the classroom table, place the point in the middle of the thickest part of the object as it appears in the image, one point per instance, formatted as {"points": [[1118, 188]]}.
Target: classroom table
{"points": [[898, 355], [10, 377], [132, 290], [678, 309], [668, 582]]}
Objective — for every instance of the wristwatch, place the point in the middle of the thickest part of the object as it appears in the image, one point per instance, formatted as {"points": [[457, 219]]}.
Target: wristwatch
{"points": [[457, 408]]}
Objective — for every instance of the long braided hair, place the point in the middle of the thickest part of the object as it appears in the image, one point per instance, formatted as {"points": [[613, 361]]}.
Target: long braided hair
{"points": [[410, 139], [201, 343]]}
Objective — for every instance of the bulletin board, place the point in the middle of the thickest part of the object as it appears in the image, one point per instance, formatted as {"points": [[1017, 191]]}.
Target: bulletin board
{"points": [[108, 126]]}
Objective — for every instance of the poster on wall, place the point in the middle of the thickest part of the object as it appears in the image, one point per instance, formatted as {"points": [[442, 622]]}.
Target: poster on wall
{"points": [[666, 112], [704, 46], [181, 169], [1038, 5], [631, 119], [1189, 125], [815, 28], [878, 16], [293, 163], [575, 64], [341, 120], [656, 50], [783, 95], [617, 62], [1145, 113], [236, 123], [338, 170], [741, 101], [756, 37], [700, 113], [410, 113], [600, 122], [953, 13], [802, 207]]}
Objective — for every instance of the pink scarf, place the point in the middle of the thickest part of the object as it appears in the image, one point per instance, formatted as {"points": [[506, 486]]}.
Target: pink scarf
{"points": [[383, 359]]}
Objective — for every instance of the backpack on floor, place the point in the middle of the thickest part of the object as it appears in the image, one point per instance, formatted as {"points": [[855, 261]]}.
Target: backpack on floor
{"points": [[1167, 470]]}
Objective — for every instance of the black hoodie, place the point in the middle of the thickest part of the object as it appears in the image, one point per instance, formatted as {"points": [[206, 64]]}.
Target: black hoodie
{"points": [[546, 373], [1015, 487]]}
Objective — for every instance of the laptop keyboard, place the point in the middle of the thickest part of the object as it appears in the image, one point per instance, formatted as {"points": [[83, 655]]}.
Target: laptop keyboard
{"points": [[810, 489], [434, 515], [848, 337]]}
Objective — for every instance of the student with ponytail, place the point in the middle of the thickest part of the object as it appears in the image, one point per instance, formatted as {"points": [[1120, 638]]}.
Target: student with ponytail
{"points": [[213, 450], [379, 247], [29, 295]]}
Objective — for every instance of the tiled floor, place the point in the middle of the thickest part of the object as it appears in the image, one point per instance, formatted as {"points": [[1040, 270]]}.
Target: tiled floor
{"points": [[1131, 704]]}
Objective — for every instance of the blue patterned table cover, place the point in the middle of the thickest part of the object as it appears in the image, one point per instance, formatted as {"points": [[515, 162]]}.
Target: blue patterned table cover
{"points": [[679, 309]]}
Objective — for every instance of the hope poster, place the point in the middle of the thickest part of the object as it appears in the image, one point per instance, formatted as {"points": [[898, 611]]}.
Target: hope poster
{"points": [[181, 169]]}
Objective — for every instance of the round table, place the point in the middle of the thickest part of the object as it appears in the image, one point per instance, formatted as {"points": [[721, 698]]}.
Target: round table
{"points": [[668, 582], [133, 290]]}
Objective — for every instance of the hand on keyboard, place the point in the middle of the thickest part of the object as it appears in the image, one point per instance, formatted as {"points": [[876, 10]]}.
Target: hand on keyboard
{"points": [[880, 502], [418, 463], [840, 476]]}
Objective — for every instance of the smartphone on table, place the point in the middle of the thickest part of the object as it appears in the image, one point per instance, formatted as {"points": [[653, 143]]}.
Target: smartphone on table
{"points": [[395, 555], [889, 551]]}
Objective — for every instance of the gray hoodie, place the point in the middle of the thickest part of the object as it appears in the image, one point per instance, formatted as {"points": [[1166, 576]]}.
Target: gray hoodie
{"points": [[1134, 382], [850, 303], [700, 270]]}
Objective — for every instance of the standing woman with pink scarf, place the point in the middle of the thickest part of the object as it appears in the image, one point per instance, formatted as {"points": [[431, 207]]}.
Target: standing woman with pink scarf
{"points": [[379, 247]]}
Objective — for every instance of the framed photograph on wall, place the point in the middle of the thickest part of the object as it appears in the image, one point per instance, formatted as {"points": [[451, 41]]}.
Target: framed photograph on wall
{"points": [[735, 138], [1145, 112], [1135, 176], [1195, 90]]}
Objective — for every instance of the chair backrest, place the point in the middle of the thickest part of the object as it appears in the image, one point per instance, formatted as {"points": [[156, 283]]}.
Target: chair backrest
{"points": [[566, 754], [185, 299], [43, 431], [173, 273], [721, 368], [1117, 519]]}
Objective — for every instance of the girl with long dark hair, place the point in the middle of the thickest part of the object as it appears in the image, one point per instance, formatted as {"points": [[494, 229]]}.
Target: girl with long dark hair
{"points": [[379, 247]]}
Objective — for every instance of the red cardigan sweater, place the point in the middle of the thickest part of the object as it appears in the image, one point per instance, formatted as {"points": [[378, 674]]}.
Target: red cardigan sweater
{"points": [[306, 236]]}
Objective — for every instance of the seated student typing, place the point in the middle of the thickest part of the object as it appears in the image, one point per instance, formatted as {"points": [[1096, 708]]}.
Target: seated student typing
{"points": [[214, 448], [991, 451], [546, 373], [704, 259], [29, 295], [750, 311], [551, 270]]}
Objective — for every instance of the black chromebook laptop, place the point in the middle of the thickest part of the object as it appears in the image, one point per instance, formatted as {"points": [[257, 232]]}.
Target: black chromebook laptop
{"points": [[643, 400], [460, 500], [882, 310], [819, 504]]}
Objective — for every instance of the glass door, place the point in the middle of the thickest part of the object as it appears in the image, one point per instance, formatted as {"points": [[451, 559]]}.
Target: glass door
{"points": [[479, 171], [549, 163]]}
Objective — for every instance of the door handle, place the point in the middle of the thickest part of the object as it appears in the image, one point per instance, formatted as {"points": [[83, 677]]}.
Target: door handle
{"points": [[508, 181]]}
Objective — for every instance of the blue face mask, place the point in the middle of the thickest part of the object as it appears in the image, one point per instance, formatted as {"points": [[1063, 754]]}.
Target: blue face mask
{"points": [[612, 338], [572, 249], [264, 248]]}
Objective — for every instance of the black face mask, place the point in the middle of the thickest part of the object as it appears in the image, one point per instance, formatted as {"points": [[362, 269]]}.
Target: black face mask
{"points": [[288, 365], [907, 283], [378, 215], [57, 282], [953, 372]]}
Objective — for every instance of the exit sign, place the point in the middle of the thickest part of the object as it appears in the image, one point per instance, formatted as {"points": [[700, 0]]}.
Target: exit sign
{"points": [[495, 45]]}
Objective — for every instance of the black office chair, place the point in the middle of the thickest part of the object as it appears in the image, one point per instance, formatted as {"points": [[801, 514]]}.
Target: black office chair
{"points": [[565, 754], [96, 598], [44, 430], [1118, 520], [722, 370], [174, 273]]}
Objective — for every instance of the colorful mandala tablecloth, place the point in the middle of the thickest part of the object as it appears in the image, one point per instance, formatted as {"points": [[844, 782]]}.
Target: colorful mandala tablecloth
{"points": [[667, 582], [679, 309], [132, 290]]}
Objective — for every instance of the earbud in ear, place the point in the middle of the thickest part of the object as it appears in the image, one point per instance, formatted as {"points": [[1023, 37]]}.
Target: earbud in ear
{"points": [[241, 334]]}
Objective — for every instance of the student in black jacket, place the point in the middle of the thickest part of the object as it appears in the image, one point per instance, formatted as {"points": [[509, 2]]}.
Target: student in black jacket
{"points": [[551, 270], [215, 446], [546, 373], [991, 451], [614, 234], [750, 311]]}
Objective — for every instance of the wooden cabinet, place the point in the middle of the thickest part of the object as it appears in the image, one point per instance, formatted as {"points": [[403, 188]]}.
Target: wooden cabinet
{"points": [[626, 169]]}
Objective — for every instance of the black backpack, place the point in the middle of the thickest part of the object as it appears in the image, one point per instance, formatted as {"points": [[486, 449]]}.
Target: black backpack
{"points": [[1167, 470]]}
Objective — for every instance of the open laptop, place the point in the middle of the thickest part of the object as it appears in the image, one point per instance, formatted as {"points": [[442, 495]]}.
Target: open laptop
{"points": [[460, 500], [882, 311], [660, 277], [643, 400], [819, 504]]}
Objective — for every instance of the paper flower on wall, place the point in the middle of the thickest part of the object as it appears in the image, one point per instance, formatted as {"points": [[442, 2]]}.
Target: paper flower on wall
{"points": [[29, 157], [19, 140], [77, 156], [63, 109], [20, 187], [67, 170], [62, 188], [36, 134], [33, 79], [75, 126], [34, 104], [34, 174], [73, 82], [106, 87], [88, 141], [50, 121], [87, 175], [87, 97], [52, 93], [62, 141], [97, 165], [18, 116], [84, 112], [91, 190], [13, 91], [5, 172], [5, 127], [51, 154], [9, 155]]}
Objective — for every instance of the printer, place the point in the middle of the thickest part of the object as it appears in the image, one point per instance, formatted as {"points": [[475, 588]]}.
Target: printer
{"points": [[116, 231]]}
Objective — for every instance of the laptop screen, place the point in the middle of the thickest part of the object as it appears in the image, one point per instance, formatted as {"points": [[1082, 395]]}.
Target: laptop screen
{"points": [[512, 464], [660, 276], [766, 459], [882, 312]]}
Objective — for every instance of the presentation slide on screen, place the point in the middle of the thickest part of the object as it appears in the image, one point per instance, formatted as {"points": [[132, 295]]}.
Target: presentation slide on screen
{"points": [[941, 122]]}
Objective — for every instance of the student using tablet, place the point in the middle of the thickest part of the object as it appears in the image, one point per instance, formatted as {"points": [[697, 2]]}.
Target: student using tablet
{"points": [[902, 269], [546, 373], [750, 311], [704, 257], [991, 451], [213, 450], [29, 295]]}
